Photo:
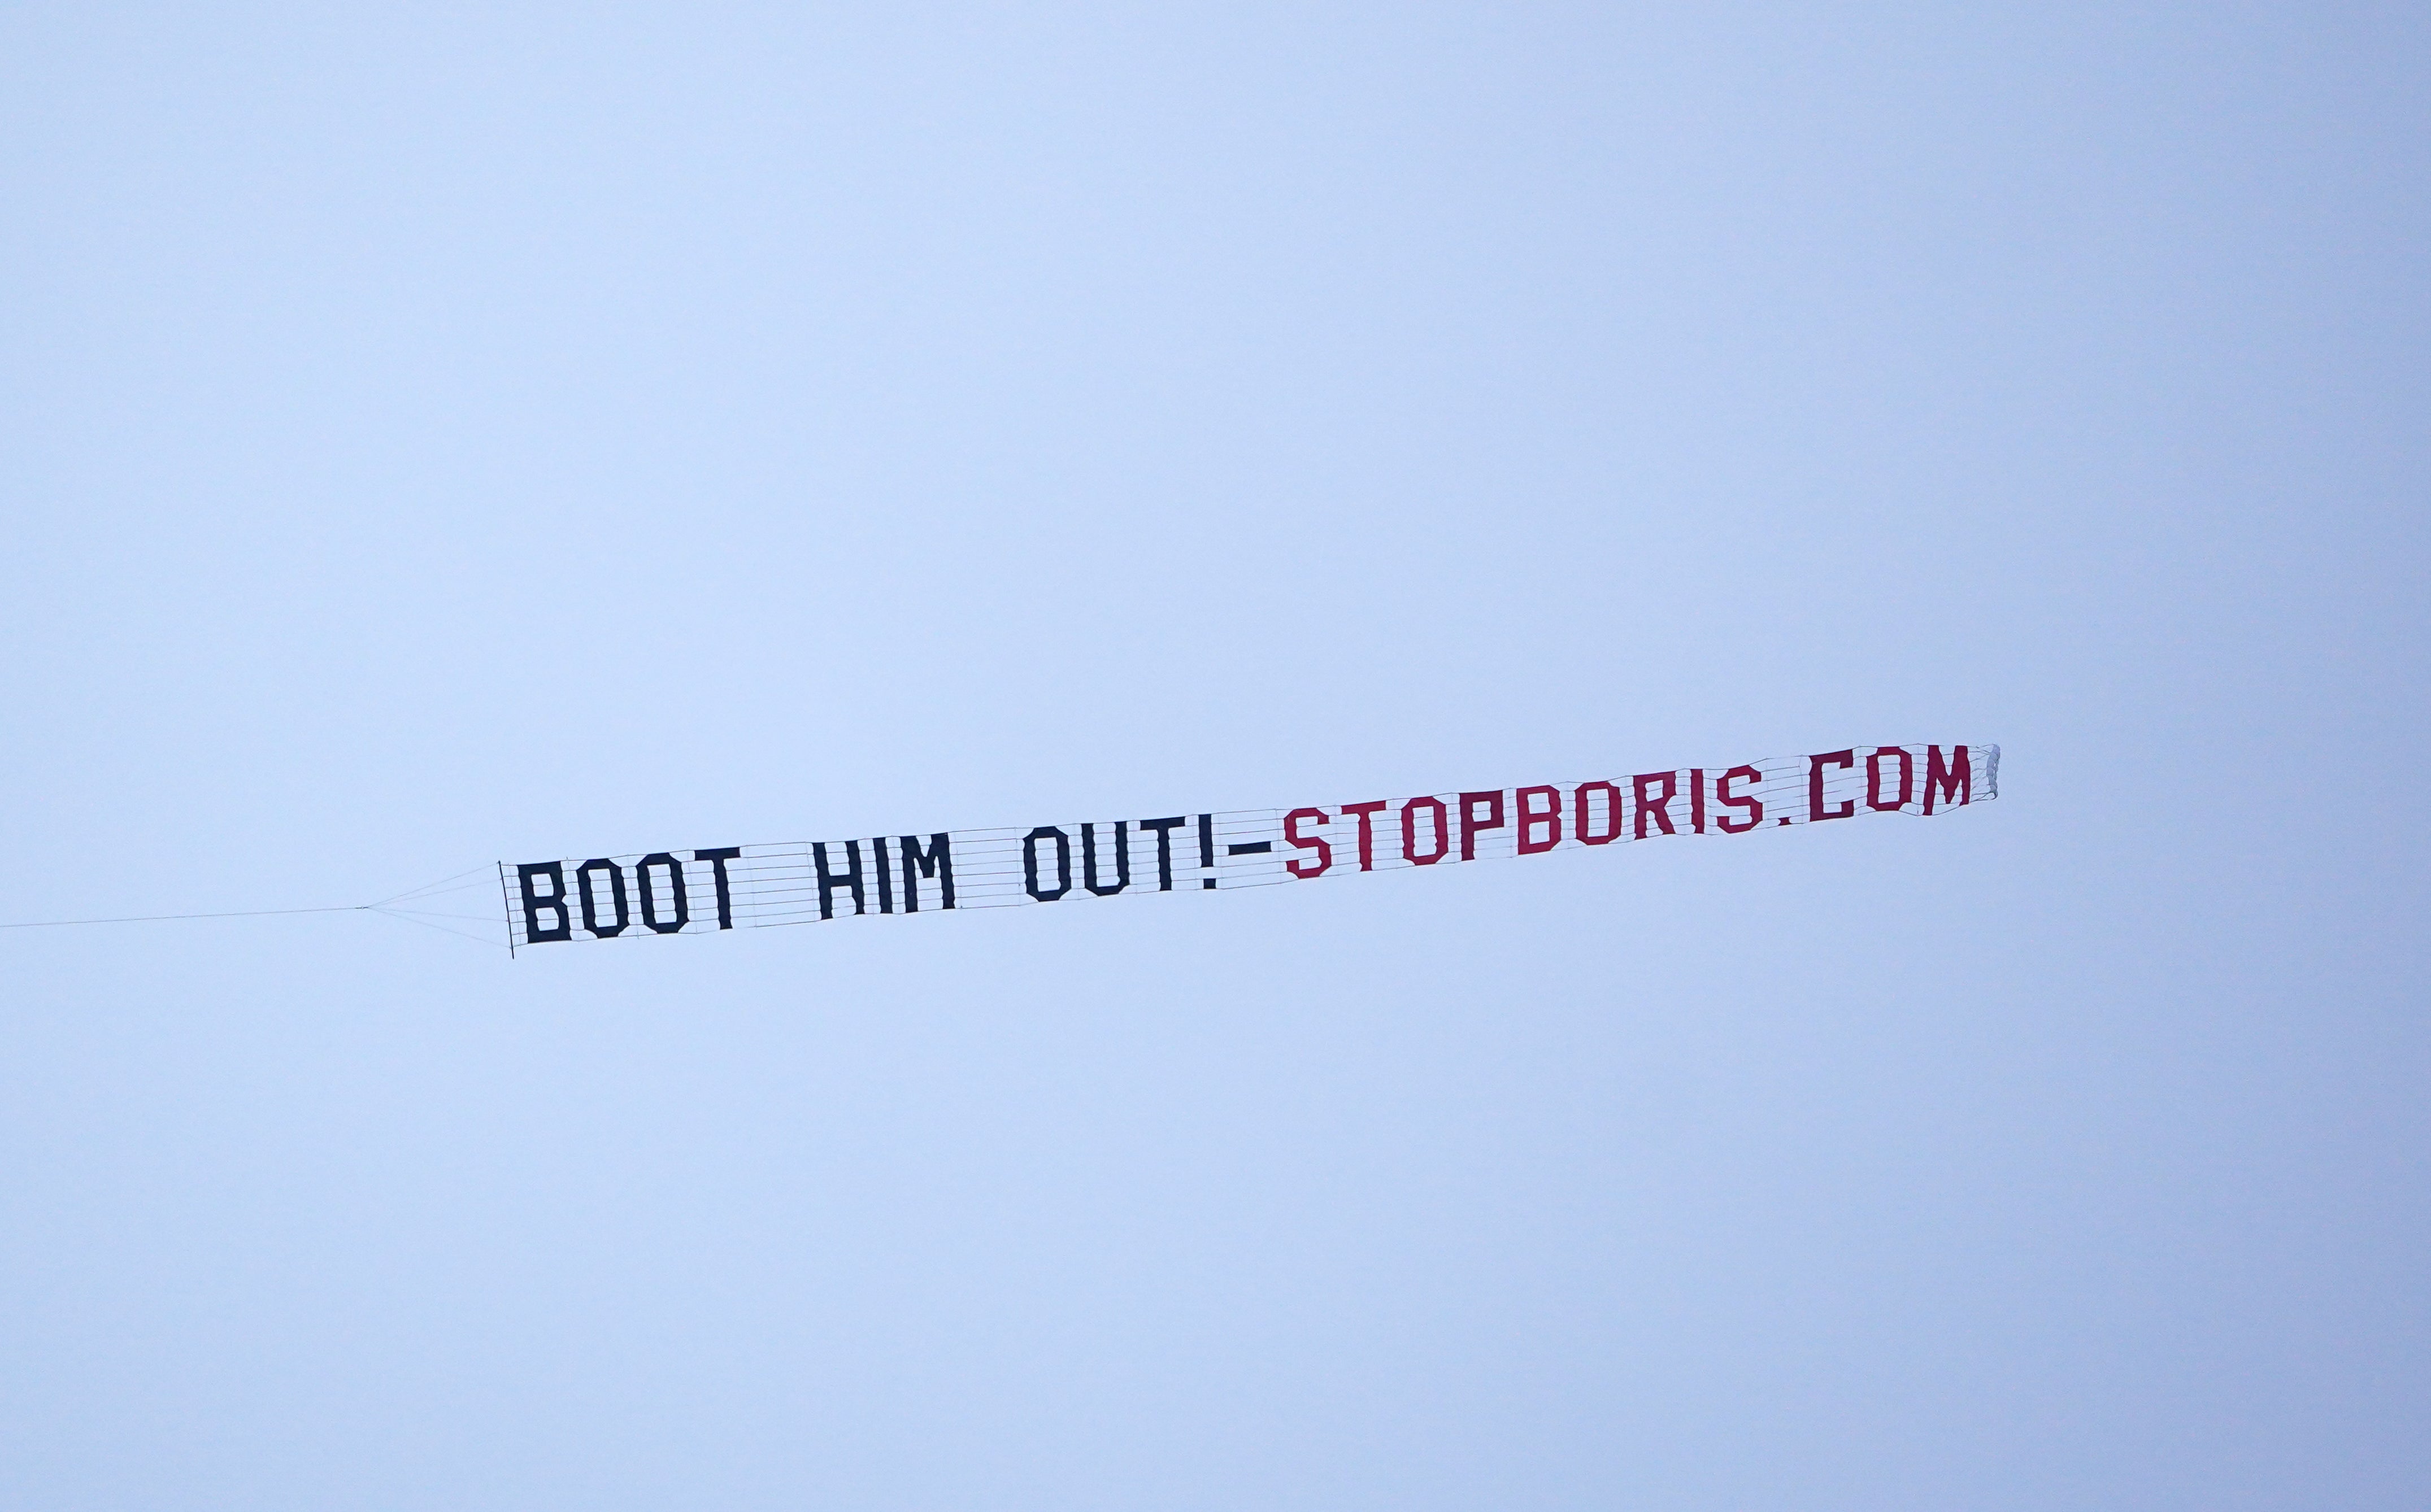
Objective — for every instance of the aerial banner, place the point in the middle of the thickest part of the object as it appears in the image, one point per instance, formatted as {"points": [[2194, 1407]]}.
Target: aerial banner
{"points": [[714, 887]]}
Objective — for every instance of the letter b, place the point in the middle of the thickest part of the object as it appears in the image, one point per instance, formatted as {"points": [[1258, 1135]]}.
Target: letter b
{"points": [[534, 902]]}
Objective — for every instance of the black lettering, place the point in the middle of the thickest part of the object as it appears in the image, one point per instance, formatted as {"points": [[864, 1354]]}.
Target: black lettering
{"points": [[589, 910], [533, 903], [717, 859], [937, 861], [1164, 828], [1062, 862], [1122, 858], [675, 881], [885, 881], [829, 881]]}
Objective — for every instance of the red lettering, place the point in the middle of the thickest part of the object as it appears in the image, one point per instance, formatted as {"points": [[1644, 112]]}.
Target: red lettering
{"points": [[1471, 820], [1874, 778], [1579, 813], [1410, 828], [1659, 808], [1697, 798], [1365, 813], [1530, 816], [1727, 799], [1291, 833], [1952, 781], [1815, 765]]}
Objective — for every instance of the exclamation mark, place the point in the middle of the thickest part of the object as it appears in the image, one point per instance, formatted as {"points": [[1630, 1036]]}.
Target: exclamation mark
{"points": [[1207, 850]]}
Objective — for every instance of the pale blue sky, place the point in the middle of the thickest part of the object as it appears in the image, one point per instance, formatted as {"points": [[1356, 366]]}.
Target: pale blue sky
{"points": [[437, 436]]}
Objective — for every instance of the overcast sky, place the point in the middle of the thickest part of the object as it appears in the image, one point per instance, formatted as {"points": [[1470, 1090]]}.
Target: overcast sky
{"points": [[437, 437]]}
